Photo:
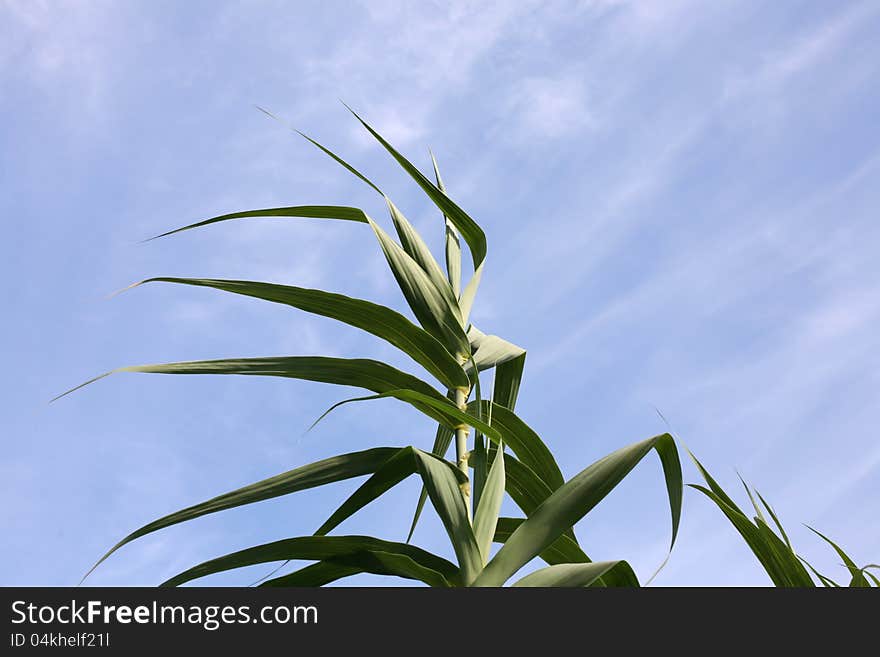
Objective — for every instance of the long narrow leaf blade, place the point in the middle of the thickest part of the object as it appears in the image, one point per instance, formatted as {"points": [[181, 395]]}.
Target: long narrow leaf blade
{"points": [[563, 509], [444, 489], [434, 310], [572, 574], [472, 233], [357, 372], [341, 212], [453, 246], [373, 318], [489, 506], [362, 551], [336, 468]]}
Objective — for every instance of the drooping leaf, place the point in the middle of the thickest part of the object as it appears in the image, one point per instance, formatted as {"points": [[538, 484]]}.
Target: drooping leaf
{"points": [[490, 350], [472, 233], [335, 468], [567, 505], [573, 574], [489, 505], [316, 574], [508, 376], [442, 440], [444, 489], [378, 320], [364, 552]]}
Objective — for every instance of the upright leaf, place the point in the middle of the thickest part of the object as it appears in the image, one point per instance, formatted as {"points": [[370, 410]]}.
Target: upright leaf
{"points": [[432, 308], [472, 233], [453, 246], [489, 506]]}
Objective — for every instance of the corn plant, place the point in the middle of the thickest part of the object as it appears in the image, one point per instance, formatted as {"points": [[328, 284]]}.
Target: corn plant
{"points": [[774, 551], [496, 452]]}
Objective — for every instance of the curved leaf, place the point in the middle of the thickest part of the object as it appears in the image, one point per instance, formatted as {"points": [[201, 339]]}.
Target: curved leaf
{"points": [[373, 318], [335, 468], [316, 574], [573, 574], [444, 489], [357, 372], [442, 440], [522, 440], [490, 350], [568, 504], [364, 552], [437, 407], [341, 212], [472, 233], [397, 468]]}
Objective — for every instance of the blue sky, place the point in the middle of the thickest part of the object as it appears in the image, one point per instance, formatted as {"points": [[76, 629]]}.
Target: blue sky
{"points": [[680, 199]]}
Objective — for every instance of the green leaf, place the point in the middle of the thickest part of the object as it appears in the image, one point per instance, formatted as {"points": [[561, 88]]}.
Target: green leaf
{"points": [[358, 372], [775, 563], [316, 574], [563, 550], [568, 504], [508, 376], [858, 576], [472, 233], [775, 520], [442, 440], [431, 307], [486, 516], [573, 574], [470, 293], [378, 320], [490, 350], [364, 552], [340, 212], [415, 247], [522, 440], [453, 246], [393, 471], [436, 407], [827, 582], [335, 468], [444, 489]]}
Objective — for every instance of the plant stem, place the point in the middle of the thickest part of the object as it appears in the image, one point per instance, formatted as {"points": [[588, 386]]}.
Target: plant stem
{"points": [[461, 450]]}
